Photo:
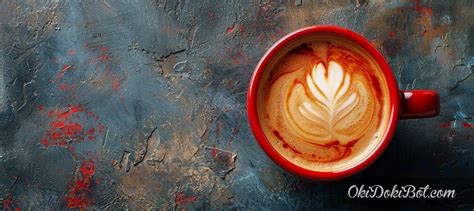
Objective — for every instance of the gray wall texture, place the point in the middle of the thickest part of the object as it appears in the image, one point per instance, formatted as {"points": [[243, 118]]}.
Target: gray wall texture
{"points": [[142, 104]]}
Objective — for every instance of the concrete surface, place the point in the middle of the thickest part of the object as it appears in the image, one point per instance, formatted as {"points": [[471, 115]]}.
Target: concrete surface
{"points": [[141, 104]]}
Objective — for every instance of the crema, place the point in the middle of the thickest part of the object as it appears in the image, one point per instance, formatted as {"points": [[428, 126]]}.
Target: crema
{"points": [[323, 103]]}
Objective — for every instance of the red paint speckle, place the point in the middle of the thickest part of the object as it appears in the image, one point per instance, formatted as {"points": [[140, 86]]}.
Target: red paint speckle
{"points": [[45, 142], [214, 151], [64, 86], [70, 148], [445, 125], [180, 199], [79, 192], [423, 9], [104, 57], [190, 199], [230, 29], [8, 202], [263, 25], [90, 131], [62, 72], [66, 127], [392, 34], [74, 109], [468, 125], [74, 124]]}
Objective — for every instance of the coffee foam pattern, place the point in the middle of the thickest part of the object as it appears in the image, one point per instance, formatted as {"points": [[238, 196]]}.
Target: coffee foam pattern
{"points": [[323, 105]]}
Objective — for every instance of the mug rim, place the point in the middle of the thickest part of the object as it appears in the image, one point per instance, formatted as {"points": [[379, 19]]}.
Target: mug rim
{"points": [[253, 111]]}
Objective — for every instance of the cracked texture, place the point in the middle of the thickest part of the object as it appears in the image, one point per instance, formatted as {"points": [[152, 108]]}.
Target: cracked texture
{"points": [[167, 79]]}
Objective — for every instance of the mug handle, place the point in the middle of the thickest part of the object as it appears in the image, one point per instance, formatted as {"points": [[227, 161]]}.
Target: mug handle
{"points": [[418, 104]]}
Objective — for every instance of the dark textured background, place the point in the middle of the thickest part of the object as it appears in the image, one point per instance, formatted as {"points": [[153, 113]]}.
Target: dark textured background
{"points": [[153, 95]]}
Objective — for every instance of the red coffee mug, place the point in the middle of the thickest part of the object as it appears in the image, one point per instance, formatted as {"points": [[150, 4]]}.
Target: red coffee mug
{"points": [[404, 104]]}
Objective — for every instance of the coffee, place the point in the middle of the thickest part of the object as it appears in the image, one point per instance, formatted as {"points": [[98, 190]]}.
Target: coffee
{"points": [[323, 103]]}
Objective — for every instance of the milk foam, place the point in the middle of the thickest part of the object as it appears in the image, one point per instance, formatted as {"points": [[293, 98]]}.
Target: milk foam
{"points": [[323, 103], [327, 87]]}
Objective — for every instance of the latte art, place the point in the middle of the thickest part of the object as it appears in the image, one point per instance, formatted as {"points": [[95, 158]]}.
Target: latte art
{"points": [[329, 102], [323, 104]]}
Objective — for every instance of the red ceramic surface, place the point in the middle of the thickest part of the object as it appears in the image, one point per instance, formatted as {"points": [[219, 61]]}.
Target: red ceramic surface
{"points": [[419, 104], [413, 104]]}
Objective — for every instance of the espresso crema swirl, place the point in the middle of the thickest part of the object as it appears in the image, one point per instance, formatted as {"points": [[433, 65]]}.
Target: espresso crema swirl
{"points": [[324, 104], [322, 109]]}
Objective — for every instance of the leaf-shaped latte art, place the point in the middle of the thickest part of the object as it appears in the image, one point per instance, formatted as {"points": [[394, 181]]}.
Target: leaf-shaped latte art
{"points": [[328, 86], [328, 100]]}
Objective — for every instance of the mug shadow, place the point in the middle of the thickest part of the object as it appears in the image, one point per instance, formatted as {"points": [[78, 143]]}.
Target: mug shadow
{"points": [[409, 159]]}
